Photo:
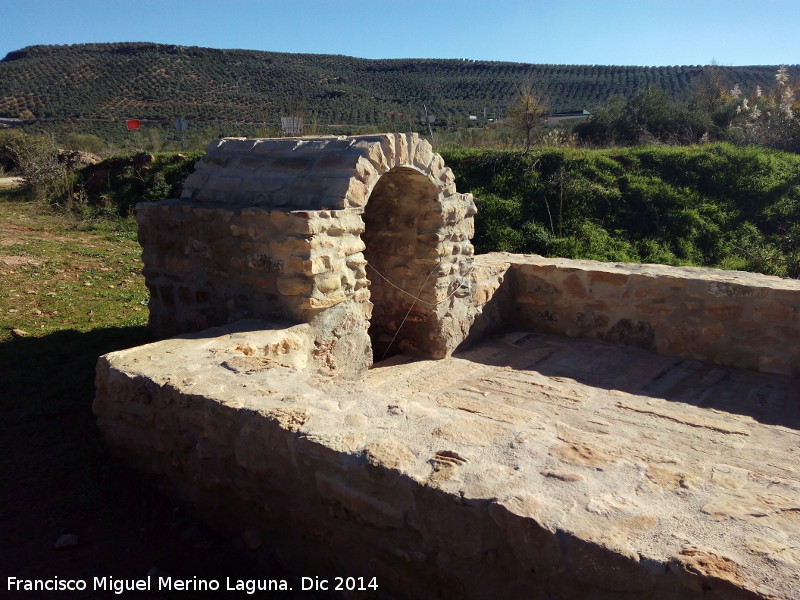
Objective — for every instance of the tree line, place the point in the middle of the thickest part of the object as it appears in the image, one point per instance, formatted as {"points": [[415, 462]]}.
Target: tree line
{"points": [[718, 108]]}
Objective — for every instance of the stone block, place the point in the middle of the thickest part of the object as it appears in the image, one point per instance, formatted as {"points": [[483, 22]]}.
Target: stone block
{"points": [[389, 454], [357, 193], [326, 301], [195, 180], [774, 311], [290, 246], [401, 149], [606, 277], [423, 154], [273, 146], [654, 309], [574, 286], [328, 284], [366, 172], [294, 286], [724, 310], [349, 245], [220, 183]]}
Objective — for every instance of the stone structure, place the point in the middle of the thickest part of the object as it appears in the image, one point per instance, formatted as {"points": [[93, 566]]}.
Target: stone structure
{"points": [[287, 228], [534, 466], [730, 318], [640, 462]]}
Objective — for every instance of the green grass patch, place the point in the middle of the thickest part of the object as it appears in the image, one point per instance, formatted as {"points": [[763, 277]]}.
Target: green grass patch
{"points": [[75, 286]]}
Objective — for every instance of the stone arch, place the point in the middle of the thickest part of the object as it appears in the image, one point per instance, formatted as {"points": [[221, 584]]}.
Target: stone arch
{"points": [[280, 227], [402, 226]]}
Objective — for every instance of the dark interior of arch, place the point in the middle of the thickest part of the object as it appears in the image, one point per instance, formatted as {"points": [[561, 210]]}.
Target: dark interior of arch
{"points": [[401, 237]]}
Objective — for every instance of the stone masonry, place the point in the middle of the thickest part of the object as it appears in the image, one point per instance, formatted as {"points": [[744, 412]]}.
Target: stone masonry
{"points": [[650, 459], [730, 318], [287, 228]]}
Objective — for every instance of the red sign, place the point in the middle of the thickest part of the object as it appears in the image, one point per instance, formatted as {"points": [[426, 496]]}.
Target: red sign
{"points": [[132, 124]]}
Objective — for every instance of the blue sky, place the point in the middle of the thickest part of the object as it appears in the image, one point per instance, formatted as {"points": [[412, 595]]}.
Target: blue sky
{"points": [[629, 32]]}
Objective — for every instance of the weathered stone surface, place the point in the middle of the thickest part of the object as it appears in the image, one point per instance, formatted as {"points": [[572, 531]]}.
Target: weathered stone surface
{"points": [[652, 501], [728, 317], [389, 454], [293, 227], [707, 571], [581, 455], [563, 475]]}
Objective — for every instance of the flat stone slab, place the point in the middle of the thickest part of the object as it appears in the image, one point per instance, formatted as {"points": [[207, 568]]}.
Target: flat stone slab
{"points": [[587, 468]]}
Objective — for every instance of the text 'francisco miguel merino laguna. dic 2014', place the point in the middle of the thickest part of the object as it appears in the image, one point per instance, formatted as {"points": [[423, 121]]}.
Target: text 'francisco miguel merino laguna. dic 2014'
{"points": [[195, 584]]}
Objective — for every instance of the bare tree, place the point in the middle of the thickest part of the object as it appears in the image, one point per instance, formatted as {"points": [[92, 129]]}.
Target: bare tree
{"points": [[527, 110]]}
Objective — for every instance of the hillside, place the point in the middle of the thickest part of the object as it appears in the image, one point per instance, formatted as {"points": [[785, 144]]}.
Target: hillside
{"points": [[96, 83]]}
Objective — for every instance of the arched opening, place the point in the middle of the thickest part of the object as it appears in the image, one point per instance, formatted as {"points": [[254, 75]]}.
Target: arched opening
{"points": [[402, 223]]}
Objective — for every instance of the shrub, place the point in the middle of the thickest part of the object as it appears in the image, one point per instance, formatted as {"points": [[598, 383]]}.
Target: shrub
{"points": [[85, 142], [705, 205], [119, 183], [35, 159]]}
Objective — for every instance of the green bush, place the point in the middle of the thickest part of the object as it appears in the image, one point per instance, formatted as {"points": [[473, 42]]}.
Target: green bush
{"points": [[86, 142], [35, 159], [117, 184], [706, 205]]}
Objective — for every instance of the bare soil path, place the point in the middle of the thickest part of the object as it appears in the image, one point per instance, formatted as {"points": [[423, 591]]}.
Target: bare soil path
{"points": [[10, 182]]}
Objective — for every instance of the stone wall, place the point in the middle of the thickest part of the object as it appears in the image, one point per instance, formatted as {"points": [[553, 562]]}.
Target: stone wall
{"points": [[360, 245], [731, 318]]}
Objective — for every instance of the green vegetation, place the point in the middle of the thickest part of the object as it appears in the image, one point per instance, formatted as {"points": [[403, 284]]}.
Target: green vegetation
{"points": [[63, 272], [716, 110], [114, 186], [705, 205], [72, 290], [527, 111], [93, 88], [35, 158]]}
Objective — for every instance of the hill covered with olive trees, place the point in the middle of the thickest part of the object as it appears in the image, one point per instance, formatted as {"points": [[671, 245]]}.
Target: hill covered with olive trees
{"points": [[99, 84]]}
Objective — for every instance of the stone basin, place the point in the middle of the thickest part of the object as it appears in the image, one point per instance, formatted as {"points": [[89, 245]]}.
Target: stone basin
{"points": [[529, 466]]}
